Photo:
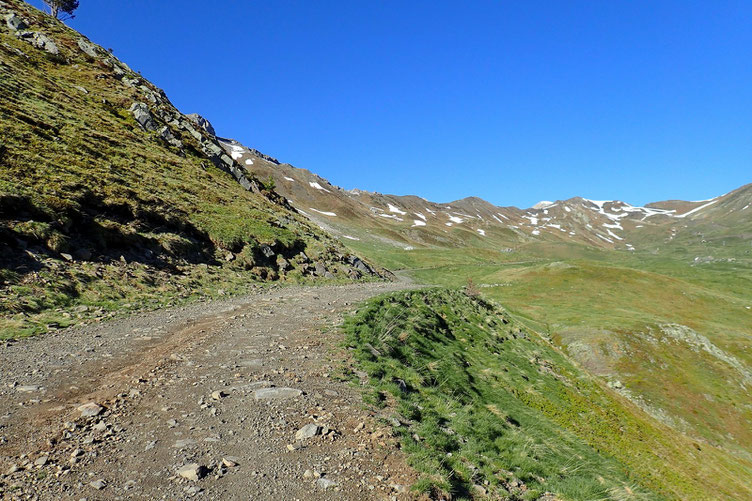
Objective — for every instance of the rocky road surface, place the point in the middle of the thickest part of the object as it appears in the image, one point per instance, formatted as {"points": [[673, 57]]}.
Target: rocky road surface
{"points": [[234, 399]]}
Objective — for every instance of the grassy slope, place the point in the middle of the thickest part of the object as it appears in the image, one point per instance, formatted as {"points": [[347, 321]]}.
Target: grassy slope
{"points": [[488, 403], [79, 176], [605, 309]]}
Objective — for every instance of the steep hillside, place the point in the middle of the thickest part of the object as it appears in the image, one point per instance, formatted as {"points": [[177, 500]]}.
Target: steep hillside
{"points": [[109, 196]]}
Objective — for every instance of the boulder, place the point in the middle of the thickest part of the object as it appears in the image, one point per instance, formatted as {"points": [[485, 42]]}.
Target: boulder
{"points": [[14, 22], [193, 472], [202, 122], [91, 409], [320, 269], [308, 431], [87, 48], [40, 41], [143, 116], [267, 251], [166, 134]]}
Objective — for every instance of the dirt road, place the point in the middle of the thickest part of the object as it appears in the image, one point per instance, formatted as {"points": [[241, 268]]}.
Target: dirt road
{"points": [[202, 401]]}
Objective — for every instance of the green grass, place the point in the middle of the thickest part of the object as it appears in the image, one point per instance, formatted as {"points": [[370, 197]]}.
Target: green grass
{"points": [[488, 403], [79, 176]]}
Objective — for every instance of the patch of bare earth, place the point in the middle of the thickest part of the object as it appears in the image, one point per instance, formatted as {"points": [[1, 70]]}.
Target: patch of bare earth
{"points": [[197, 402]]}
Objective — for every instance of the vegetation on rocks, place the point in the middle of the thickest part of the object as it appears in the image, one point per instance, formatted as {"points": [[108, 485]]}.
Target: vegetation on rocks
{"points": [[110, 196]]}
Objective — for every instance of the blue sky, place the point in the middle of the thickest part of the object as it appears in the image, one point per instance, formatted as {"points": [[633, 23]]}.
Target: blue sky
{"points": [[510, 101]]}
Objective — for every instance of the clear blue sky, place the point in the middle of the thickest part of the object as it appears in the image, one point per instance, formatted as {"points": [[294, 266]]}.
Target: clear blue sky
{"points": [[512, 101]]}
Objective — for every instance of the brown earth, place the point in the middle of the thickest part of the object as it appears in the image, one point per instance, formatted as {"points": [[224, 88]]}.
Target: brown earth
{"points": [[157, 376]]}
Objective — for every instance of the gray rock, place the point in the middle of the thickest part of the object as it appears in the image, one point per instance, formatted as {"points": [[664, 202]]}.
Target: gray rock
{"points": [[325, 483], [230, 461], [308, 431], [320, 269], [276, 393], [202, 122], [14, 22], [91, 409], [166, 134], [180, 444], [143, 116], [87, 48], [193, 472], [266, 251], [41, 41], [98, 484], [218, 395], [132, 82], [27, 388]]}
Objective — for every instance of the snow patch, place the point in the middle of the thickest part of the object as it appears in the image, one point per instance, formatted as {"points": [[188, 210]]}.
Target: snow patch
{"points": [[455, 219], [698, 208], [397, 210], [289, 178], [482, 232], [350, 238], [323, 212], [318, 186], [392, 216], [248, 161], [543, 204], [418, 222]]}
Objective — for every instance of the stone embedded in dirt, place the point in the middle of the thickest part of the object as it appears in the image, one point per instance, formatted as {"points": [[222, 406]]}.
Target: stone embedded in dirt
{"points": [[218, 395], [184, 443], [308, 474], [256, 362], [91, 409], [325, 483], [27, 388], [172, 423], [100, 426], [308, 431], [230, 461], [41, 461], [193, 472], [276, 393], [98, 484]]}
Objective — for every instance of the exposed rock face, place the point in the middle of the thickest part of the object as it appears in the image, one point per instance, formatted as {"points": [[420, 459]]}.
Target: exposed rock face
{"points": [[40, 41], [14, 22], [202, 122], [87, 48], [143, 116], [166, 134]]}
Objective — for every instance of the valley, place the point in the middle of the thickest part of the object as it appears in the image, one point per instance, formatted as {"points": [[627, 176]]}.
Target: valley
{"points": [[184, 316]]}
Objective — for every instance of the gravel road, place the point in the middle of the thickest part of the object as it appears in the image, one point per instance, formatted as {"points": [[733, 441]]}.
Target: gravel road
{"points": [[234, 399]]}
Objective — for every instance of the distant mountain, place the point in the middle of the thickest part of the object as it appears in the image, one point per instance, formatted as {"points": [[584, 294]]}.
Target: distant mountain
{"points": [[413, 221]]}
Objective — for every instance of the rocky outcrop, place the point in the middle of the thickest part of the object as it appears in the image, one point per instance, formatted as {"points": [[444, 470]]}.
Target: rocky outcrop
{"points": [[143, 116], [202, 123]]}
